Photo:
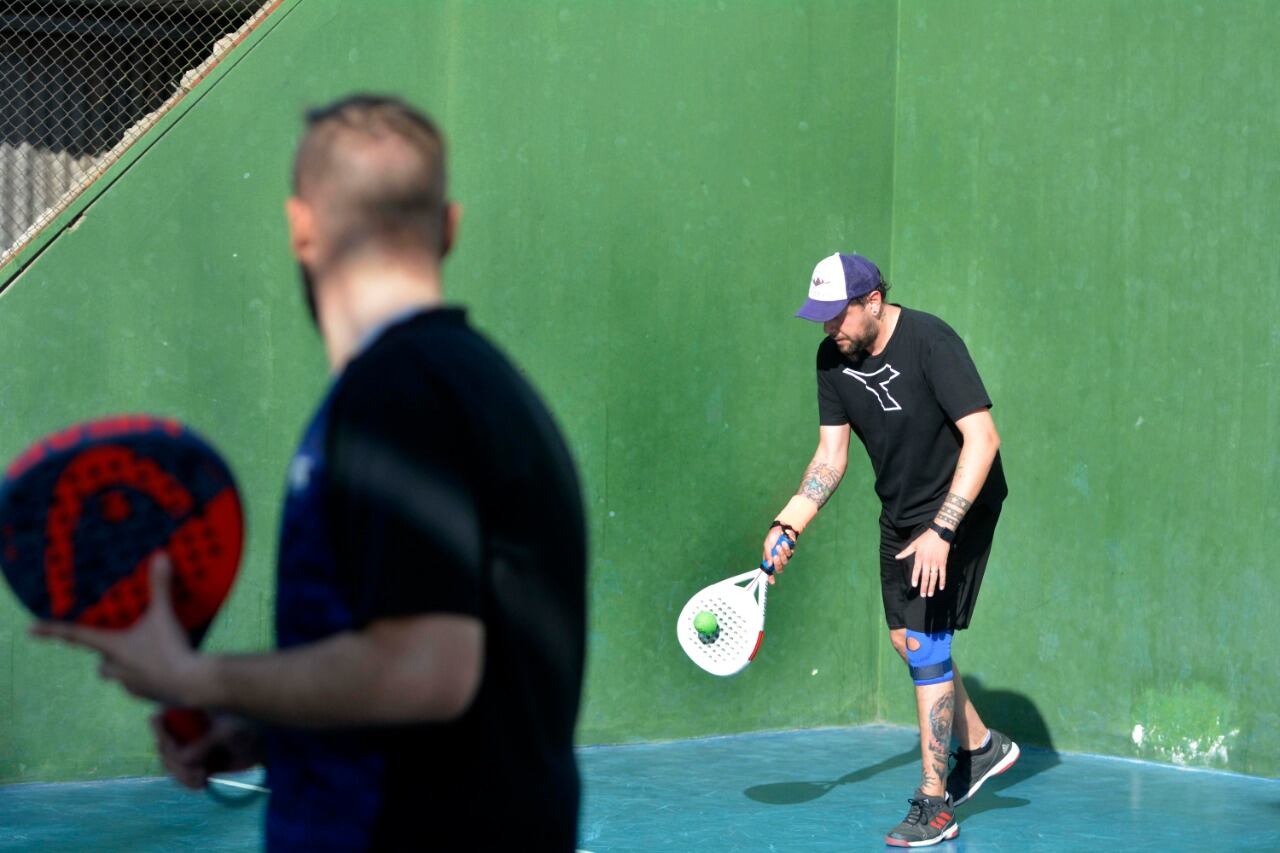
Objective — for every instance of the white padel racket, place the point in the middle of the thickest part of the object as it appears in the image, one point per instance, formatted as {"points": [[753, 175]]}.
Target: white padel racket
{"points": [[738, 605]]}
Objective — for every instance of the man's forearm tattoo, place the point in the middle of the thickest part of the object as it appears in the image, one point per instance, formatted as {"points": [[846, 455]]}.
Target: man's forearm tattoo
{"points": [[953, 511], [820, 480], [939, 737]]}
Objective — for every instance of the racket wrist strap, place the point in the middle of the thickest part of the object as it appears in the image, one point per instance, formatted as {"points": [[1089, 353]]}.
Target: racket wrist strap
{"points": [[791, 532]]}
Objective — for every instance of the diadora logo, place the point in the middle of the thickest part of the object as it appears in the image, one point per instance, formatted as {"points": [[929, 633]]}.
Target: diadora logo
{"points": [[818, 281], [878, 383]]}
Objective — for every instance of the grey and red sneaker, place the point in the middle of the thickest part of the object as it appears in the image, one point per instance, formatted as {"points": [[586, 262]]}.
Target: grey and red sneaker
{"points": [[973, 768], [930, 821]]}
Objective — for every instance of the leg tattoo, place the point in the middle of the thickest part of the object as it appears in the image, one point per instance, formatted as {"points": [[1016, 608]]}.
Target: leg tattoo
{"points": [[935, 770]]}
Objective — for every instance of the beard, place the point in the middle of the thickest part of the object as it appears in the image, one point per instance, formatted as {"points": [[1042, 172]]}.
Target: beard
{"points": [[851, 345], [309, 294]]}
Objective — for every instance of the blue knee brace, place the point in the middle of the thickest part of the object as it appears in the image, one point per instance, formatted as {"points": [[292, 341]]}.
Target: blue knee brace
{"points": [[931, 662]]}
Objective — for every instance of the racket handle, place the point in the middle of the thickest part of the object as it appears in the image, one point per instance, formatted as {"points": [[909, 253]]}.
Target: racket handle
{"points": [[186, 724], [773, 552], [190, 724]]}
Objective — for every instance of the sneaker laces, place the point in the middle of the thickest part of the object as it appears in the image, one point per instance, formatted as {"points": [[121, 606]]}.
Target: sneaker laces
{"points": [[915, 816]]}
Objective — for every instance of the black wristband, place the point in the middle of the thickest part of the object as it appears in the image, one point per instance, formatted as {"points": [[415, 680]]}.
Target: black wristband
{"points": [[947, 534]]}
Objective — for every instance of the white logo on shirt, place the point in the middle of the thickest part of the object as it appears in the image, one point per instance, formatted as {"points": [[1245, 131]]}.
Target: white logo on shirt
{"points": [[300, 472], [880, 388]]}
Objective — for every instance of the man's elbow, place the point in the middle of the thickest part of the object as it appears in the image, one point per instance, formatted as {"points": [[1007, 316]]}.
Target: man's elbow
{"points": [[455, 689], [979, 431], [438, 666], [455, 672]]}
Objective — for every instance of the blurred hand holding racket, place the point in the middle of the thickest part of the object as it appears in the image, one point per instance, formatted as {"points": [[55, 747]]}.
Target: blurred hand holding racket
{"points": [[99, 520], [736, 606], [231, 743]]}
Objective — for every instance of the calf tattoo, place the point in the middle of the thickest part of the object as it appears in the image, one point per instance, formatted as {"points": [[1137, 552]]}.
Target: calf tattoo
{"points": [[939, 739], [953, 511], [820, 480]]}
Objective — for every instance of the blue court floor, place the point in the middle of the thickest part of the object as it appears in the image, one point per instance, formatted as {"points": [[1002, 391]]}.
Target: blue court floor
{"points": [[819, 790]]}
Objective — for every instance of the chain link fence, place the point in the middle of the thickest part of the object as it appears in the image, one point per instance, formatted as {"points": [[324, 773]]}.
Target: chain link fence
{"points": [[81, 80]]}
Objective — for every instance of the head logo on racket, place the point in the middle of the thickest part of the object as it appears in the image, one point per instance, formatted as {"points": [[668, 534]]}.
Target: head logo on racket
{"points": [[83, 513]]}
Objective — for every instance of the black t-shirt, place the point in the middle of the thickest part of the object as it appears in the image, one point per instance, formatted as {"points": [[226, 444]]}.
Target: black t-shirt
{"points": [[447, 488], [903, 405]]}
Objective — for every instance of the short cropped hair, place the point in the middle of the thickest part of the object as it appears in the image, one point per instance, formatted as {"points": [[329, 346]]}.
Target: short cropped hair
{"points": [[374, 167]]}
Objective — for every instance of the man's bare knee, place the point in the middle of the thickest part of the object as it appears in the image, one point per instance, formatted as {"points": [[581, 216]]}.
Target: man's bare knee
{"points": [[898, 636]]}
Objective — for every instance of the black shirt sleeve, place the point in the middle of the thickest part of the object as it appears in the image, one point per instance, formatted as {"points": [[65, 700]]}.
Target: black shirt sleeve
{"points": [[952, 375], [402, 512], [831, 411]]}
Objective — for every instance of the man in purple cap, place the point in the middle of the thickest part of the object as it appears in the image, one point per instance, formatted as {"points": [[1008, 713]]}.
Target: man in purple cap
{"points": [[903, 381]]}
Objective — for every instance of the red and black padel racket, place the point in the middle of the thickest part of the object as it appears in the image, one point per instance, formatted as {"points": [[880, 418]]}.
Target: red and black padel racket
{"points": [[84, 511]]}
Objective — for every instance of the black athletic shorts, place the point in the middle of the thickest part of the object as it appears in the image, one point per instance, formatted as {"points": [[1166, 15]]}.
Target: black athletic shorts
{"points": [[952, 608]]}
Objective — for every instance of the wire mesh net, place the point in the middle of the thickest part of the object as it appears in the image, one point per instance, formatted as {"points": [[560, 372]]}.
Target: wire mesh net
{"points": [[81, 80]]}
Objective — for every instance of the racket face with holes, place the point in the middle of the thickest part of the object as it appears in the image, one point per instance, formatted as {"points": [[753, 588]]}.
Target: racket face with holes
{"points": [[83, 511], [739, 612]]}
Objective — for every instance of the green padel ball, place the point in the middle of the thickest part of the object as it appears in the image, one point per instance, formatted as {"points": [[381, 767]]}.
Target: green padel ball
{"points": [[705, 622]]}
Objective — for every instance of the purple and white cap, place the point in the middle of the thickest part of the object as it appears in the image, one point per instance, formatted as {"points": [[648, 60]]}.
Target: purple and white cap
{"points": [[837, 279]]}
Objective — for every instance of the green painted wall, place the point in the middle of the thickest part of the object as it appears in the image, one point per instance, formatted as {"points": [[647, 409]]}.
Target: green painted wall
{"points": [[1087, 191], [1090, 192], [646, 186]]}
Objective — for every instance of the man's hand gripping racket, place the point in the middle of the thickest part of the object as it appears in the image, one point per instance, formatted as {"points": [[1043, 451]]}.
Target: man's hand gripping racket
{"points": [[724, 642]]}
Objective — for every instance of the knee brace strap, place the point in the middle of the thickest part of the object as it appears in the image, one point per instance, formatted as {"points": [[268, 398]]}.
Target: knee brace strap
{"points": [[931, 662]]}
